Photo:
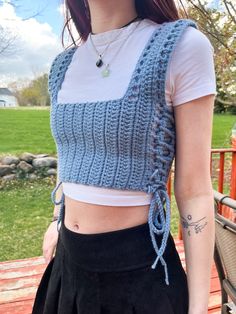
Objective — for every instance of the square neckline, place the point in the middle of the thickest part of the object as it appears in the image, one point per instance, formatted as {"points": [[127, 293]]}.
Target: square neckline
{"points": [[131, 81]]}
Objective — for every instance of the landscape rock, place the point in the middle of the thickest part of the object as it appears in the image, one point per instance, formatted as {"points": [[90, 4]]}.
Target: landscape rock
{"points": [[8, 160], [9, 177], [28, 157], [32, 176], [51, 171], [13, 166], [41, 155], [24, 166], [5, 170], [45, 162]]}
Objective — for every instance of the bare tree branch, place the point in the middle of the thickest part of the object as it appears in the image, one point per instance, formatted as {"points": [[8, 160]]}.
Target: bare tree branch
{"points": [[7, 41], [7, 38], [229, 12], [223, 102]]}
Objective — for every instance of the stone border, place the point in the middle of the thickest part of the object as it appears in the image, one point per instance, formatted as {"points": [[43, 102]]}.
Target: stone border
{"points": [[27, 166]]}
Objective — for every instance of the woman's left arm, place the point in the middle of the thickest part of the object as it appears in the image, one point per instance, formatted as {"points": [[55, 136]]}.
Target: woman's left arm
{"points": [[194, 195]]}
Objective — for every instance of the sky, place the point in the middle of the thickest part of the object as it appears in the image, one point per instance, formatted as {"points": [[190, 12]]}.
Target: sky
{"points": [[47, 11], [37, 26]]}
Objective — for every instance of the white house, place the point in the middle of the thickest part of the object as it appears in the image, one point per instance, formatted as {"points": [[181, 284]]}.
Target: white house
{"points": [[7, 99]]}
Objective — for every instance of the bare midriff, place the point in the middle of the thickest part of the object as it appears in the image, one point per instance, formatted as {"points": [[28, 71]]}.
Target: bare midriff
{"points": [[88, 218]]}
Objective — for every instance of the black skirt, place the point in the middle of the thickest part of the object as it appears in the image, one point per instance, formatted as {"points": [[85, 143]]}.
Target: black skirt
{"points": [[110, 273]]}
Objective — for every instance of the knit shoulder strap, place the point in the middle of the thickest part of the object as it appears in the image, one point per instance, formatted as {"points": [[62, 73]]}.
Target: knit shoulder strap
{"points": [[57, 72], [171, 35]]}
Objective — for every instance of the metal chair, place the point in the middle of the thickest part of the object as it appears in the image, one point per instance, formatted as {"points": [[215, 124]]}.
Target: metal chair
{"points": [[225, 253]]}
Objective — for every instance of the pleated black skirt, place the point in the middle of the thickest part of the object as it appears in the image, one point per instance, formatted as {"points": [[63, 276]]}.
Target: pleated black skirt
{"points": [[110, 273]]}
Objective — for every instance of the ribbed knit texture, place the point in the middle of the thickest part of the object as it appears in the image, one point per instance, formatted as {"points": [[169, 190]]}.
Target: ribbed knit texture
{"points": [[126, 143]]}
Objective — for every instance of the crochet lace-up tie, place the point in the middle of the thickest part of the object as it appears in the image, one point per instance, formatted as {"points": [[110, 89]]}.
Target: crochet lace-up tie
{"points": [[61, 202], [159, 222]]}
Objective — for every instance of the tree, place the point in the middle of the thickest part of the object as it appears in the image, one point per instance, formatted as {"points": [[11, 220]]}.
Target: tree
{"points": [[218, 21], [36, 93]]}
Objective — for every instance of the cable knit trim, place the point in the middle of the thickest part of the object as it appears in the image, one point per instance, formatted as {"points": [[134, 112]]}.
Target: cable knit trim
{"points": [[57, 72], [150, 71]]}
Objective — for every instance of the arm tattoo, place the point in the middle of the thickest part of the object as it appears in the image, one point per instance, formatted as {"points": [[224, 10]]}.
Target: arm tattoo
{"points": [[197, 226]]}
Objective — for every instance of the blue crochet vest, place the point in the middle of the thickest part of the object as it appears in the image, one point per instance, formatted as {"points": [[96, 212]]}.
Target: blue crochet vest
{"points": [[126, 143]]}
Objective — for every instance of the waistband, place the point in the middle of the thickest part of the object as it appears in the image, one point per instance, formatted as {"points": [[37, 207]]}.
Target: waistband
{"points": [[119, 250]]}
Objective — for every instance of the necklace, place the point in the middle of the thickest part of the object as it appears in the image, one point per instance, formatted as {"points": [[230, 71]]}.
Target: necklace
{"points": [[123, 25], [100, 61]]}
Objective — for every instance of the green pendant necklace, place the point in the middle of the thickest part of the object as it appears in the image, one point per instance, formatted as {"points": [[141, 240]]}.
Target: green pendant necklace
{"points": [[99, 63]]}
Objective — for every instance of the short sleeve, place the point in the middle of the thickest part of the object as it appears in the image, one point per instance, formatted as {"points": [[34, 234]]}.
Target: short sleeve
{"points": [[191, 72]]}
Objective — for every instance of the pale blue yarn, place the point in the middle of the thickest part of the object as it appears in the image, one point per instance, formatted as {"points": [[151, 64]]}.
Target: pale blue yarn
{"points": [[127, 143]]}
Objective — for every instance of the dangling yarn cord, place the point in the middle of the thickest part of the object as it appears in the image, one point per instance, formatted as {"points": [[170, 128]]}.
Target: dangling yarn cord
{"points": [[61, 201], [160, 226]]}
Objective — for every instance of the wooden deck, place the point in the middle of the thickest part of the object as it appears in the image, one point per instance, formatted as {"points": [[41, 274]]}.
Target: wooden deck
{"points": [[19, 280]]}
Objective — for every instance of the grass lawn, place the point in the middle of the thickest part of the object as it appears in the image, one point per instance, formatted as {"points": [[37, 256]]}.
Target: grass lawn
{"points": [[25, 130], [222, 126], [25, 212], [25, 207]]}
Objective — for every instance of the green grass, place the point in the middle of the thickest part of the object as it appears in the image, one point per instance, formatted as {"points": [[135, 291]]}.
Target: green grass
{"points": [[222, 126], [25, 207], [25, 211], [25, 130]]}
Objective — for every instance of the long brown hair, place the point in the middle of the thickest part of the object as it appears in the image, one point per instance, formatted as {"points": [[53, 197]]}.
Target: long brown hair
{"points": [[77, 11]]}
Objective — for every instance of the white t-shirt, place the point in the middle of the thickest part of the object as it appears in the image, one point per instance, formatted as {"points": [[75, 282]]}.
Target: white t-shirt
{"points": [[190, 75]]}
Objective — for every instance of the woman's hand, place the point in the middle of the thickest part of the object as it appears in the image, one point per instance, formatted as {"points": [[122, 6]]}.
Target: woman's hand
{"points": [[50, 241]]}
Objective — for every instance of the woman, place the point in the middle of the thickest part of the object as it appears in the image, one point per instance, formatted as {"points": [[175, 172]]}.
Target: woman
{"points": [[137, 91]]}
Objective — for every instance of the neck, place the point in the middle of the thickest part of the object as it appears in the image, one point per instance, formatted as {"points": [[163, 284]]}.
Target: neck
{"points": [[110, 14]]}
